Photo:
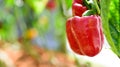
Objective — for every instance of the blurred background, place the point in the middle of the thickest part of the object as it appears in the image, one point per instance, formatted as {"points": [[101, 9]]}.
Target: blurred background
{"points": [[32, 34]]}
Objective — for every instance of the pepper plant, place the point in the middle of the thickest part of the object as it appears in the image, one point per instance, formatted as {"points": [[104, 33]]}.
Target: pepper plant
{"points": [[79, 28]]}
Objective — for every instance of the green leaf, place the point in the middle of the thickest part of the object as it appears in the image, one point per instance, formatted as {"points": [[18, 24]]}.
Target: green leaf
{"points": [[37, 5], [9, 3], [115, 24], [108, 27], [68, 3]]}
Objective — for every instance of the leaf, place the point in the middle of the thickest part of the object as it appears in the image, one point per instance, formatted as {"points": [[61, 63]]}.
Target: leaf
{"points": [[107, 27], [37, 5], [115, 24], [9, 3], [68, 3]]}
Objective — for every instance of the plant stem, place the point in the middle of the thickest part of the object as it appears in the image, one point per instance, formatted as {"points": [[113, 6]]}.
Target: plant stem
{"points": [[97, 7], [86, 3]]}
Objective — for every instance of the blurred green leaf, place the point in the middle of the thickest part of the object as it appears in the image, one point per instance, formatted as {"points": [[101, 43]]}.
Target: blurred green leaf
{"points": [[9, 3], [37, 5], [68, 3], [109, 28]]}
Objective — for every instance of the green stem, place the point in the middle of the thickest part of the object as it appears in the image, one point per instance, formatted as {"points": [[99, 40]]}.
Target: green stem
{"points": [[86, 3], [97, 7]]}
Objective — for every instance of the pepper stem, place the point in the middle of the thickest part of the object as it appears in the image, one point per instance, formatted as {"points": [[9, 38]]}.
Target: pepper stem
{"points": [[97, 7]]}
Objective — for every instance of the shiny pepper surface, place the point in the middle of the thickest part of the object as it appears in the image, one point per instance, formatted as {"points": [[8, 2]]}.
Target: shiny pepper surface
{"points": [[85, 35]]}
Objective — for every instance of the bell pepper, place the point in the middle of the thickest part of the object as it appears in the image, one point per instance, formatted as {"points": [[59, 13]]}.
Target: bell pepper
{"points": [[78, 1], [85, 34], [78, 9]]}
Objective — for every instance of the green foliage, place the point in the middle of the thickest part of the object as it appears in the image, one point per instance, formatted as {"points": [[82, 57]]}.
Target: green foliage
{"points": [[68, 3], [37, 5], [114, 24], [19, 16], [111, 23]]}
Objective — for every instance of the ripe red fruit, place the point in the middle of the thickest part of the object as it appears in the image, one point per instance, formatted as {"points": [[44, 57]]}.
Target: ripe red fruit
{"points": [[78, 1], [78, 9], [71, 38], [51, 5], [85, 35]]}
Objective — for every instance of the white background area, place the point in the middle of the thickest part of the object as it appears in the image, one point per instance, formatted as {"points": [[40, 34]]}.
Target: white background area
{"points": [[106, 58]]}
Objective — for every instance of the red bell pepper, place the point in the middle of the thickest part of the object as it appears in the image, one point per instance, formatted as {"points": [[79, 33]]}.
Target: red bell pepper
{"points": [[85, 34], [78, 1], [78, 9]]}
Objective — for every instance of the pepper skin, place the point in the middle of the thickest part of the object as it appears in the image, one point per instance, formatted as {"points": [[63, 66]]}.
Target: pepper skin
{"points": [[78, 9], [78, 1], [85, 35]]}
